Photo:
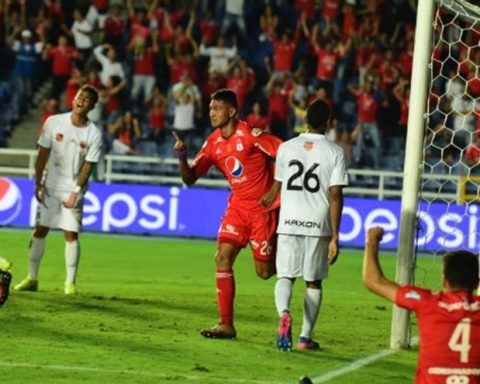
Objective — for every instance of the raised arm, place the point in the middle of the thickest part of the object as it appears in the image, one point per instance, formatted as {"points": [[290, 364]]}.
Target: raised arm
{"points": [[373, 277], [188, 175]]}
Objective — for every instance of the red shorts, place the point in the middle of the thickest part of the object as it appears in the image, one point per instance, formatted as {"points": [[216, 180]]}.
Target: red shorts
{"points": [[240, 227]]}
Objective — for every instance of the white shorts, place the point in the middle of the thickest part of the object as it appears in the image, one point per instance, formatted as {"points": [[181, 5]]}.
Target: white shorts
{"points": [[53, 214], [302, 256]]}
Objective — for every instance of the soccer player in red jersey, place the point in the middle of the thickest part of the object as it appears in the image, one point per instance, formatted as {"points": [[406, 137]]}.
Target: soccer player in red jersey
{"points": [[448, 321], [244, 155]]}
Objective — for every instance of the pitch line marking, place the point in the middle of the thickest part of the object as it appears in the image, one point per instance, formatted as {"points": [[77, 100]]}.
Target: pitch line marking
{"points": [[173, 377], [357, 364]]}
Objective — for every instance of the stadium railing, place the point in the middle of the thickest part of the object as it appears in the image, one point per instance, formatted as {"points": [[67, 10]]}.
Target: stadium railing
{"points": [[381, 184]]}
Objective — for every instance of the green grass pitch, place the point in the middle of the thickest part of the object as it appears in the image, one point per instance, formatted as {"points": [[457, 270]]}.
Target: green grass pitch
{"points": [[142, 302]]}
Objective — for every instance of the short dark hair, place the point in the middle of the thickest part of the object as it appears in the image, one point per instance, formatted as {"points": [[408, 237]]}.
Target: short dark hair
{"points": [[91, 90], [318, 115], [460, 269], [226, 95]]}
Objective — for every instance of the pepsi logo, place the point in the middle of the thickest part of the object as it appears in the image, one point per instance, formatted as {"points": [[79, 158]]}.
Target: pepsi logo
{"points": [[234, 166], [10, 201]]}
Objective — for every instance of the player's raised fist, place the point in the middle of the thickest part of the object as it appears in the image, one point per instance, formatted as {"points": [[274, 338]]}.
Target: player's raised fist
{"points": [[375, 234]]}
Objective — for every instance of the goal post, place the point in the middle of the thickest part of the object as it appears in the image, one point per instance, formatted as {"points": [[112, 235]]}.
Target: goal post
{"points": [[443, 143], [412, 166]]}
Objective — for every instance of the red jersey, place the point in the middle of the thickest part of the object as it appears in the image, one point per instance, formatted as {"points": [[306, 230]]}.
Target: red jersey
{"points": [[244, 159], [472, 154], [367, 107], [257, 121], [144, 64], [449, 327], [239, 86], [330, 9], [62, 60], [327, 64], [283, 54]]}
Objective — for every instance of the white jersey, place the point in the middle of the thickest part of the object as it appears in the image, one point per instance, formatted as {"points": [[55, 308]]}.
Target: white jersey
{"points": [[70, 147], [307, 166]]}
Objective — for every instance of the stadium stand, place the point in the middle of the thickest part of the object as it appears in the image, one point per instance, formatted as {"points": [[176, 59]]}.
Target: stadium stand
{"points": [[153, 57]]}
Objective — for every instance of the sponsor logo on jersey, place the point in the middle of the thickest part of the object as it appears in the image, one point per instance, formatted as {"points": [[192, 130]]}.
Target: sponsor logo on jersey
{"points": [[229, 228], [413, 295], [302, 223], [10, 201], [234, 166], [308, 145], [460, 306], [59, 137]]}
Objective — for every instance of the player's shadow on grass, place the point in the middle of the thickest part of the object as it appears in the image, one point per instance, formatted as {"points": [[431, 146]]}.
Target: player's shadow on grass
{"points": [[128, 307]]}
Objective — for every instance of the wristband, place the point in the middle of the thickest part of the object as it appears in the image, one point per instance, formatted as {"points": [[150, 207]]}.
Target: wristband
{"points": [[181, 153], [77, 189]]}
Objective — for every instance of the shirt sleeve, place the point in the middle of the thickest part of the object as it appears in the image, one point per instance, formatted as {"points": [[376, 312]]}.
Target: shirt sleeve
{"points": [[45, 138], [412, 298], [203, 161], [279, 169], [95, 148], [339, 175], [266, 142]]}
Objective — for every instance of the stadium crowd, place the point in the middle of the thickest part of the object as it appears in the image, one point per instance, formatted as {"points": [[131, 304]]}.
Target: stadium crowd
{"points": [[156, 62]]}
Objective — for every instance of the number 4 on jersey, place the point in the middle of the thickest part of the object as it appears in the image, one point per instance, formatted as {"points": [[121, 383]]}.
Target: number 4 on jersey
{"points": [[460, 339]]}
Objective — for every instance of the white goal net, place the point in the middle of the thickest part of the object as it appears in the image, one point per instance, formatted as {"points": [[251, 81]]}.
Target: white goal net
{"points": [[441, 192], [450, 188]]}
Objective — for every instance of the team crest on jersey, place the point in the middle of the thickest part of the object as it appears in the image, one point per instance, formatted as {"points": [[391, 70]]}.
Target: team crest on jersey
{"points": [[257, 131], [83, 145], [234, 166], [59, 137], [308, 145], [239, 147]]}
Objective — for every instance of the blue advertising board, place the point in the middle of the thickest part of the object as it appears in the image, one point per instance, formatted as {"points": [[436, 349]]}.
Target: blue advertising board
{"points": [[196, 212]]}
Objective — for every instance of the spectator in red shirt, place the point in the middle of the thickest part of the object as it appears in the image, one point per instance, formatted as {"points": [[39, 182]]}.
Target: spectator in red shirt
{"points": [[268, 22], [139, 22], [143, 53], [237, 82], [111, 97], [257, 118], [399, 134], [349, 24], [50, 107], [278, 96], [157, 106], [285, 47], [472, 153], [208, 27], [114, 30], [182, 61], [63, 57], [305, 7], [330, 14], [126, 132], [367, 103], [328, 54], [74, 83]]}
